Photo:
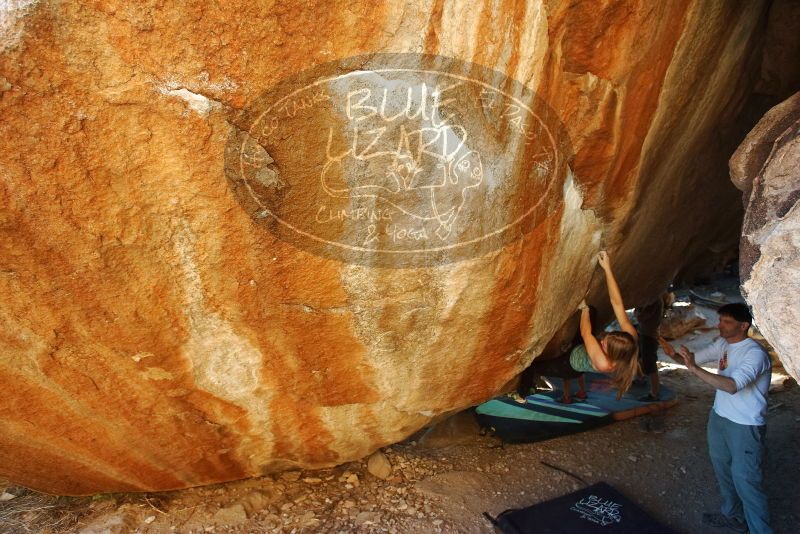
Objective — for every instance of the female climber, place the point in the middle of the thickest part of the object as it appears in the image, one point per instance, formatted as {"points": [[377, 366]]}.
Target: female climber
{"points": [[613, 353]]}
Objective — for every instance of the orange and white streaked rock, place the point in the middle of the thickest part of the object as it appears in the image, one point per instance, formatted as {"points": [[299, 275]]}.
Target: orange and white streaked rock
{"points": [[153, 336]]}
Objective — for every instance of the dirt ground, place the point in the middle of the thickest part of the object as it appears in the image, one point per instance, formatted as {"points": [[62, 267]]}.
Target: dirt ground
{"points": [[446, 489]]}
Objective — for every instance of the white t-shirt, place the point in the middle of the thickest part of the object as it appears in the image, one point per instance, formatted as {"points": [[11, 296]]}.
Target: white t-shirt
{"points": [[748, 364]]}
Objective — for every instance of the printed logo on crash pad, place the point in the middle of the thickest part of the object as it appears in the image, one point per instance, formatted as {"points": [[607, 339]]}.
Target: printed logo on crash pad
{"points": [[598, 510], [398, 160]]}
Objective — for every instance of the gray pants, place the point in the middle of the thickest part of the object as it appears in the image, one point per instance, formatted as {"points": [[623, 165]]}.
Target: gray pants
{"points": [[737, 454]]}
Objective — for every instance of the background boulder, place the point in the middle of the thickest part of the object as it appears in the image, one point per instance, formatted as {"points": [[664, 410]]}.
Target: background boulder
{"points": [[767, 167]]}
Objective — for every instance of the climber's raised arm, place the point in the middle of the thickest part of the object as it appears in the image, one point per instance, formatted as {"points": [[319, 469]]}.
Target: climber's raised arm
{"points": [[615, 296]]}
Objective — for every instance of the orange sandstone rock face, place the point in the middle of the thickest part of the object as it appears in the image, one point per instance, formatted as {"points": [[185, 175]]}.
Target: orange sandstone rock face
{"points": [[179, 306]]}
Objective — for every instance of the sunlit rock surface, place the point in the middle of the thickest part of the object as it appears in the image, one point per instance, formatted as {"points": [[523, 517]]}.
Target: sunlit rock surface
{"points": [[156, 334], [767, 167]]}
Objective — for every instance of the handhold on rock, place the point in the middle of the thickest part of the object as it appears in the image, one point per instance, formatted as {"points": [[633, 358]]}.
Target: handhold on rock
{"points": [[379, 465]]}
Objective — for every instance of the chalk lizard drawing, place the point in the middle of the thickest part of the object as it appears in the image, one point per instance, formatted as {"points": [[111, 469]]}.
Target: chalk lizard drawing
{"points": [[422, 176]]}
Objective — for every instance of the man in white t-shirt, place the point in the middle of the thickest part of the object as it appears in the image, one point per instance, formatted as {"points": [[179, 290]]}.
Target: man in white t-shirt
{"points": [[737, 423]]}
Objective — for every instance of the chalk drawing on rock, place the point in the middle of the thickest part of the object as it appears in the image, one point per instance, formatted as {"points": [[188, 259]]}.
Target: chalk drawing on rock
{"points": [[398, 160]]}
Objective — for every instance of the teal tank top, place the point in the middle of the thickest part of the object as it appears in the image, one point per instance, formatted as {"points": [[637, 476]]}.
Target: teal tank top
{"points": [[579, 360]]}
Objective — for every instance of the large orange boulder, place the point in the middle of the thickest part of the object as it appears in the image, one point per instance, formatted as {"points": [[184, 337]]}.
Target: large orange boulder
{"points": [[236, 239]]}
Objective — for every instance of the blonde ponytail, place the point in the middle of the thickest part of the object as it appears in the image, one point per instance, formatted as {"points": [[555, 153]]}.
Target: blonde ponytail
{"points": [[623, 350]]}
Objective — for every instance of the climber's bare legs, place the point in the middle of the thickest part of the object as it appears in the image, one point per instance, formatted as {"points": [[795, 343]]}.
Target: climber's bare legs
{"points": [[581, 388]]}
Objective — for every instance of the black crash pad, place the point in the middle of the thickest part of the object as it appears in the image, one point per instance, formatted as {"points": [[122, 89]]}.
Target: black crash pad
{"points": [[597, 509]]}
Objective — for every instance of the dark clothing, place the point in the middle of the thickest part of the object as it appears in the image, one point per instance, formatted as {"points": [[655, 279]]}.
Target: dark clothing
{"points": [[559, 367], [555, 367], [649, 318], [648, 353]]}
